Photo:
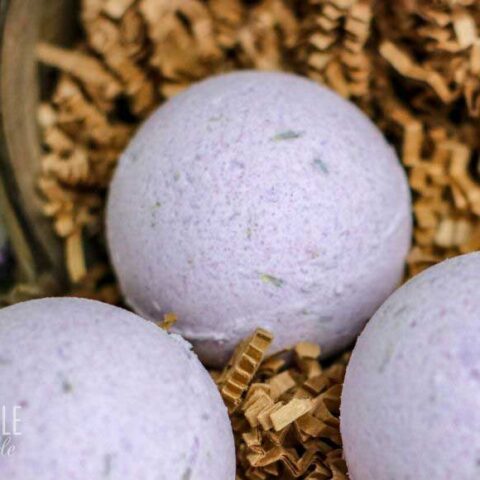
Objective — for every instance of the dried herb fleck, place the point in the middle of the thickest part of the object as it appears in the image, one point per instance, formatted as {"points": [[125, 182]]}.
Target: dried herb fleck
{"points": [[287, 135], [266, 278], [67, 387], [320, 164]]}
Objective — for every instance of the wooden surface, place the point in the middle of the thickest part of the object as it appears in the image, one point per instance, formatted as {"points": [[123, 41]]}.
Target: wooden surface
{"points": [[23, 23]]}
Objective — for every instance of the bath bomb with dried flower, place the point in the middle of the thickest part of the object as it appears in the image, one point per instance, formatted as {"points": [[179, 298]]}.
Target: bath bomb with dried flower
{"points": [[259, 199], [103, 394], [410, 404]]}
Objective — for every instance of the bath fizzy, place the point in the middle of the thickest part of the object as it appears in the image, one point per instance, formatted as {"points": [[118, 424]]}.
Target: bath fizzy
{"points": [[259, 200], [94, 392], [412, 389]]}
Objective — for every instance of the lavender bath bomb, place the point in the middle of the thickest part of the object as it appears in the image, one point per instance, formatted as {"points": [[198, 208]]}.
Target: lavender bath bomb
{"points": [[410, 405], [103, 394], [259, 199]]}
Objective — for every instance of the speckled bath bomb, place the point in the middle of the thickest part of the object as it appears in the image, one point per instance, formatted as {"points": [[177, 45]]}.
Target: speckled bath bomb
{"points": [[411, 400], [259, 199], [104, 395]]}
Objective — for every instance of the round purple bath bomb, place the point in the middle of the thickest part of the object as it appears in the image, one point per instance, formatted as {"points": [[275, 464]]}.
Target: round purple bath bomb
{"points": [[259, 200], [95, 392], [410, 405]]}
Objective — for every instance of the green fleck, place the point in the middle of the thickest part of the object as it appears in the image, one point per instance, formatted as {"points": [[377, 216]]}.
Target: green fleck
{"points": [[287, 135], [188, 474], [318, 162], [67, 387], [266, 278], [215, 118], [176, 176], [248, 231], [387, 356], [154, 208], [134, 156]]}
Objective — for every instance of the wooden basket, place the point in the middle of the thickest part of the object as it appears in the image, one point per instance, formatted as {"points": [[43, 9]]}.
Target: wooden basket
{"points": [[22, 23]]}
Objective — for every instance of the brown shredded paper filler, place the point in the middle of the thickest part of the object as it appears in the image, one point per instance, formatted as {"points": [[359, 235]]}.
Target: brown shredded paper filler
{"points": [[284, 411]]}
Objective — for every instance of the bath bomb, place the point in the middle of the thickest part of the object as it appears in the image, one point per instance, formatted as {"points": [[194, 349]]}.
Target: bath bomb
{"points": [[410, 405], [91, 391], [259, 200]]}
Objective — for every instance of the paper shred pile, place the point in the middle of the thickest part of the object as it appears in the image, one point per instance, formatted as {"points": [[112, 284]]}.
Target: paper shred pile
{"points": [[284, 411], [337, 34], [430, 106]]}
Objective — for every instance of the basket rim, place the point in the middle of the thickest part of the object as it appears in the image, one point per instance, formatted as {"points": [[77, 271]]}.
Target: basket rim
{"points": [[33, 262]]}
